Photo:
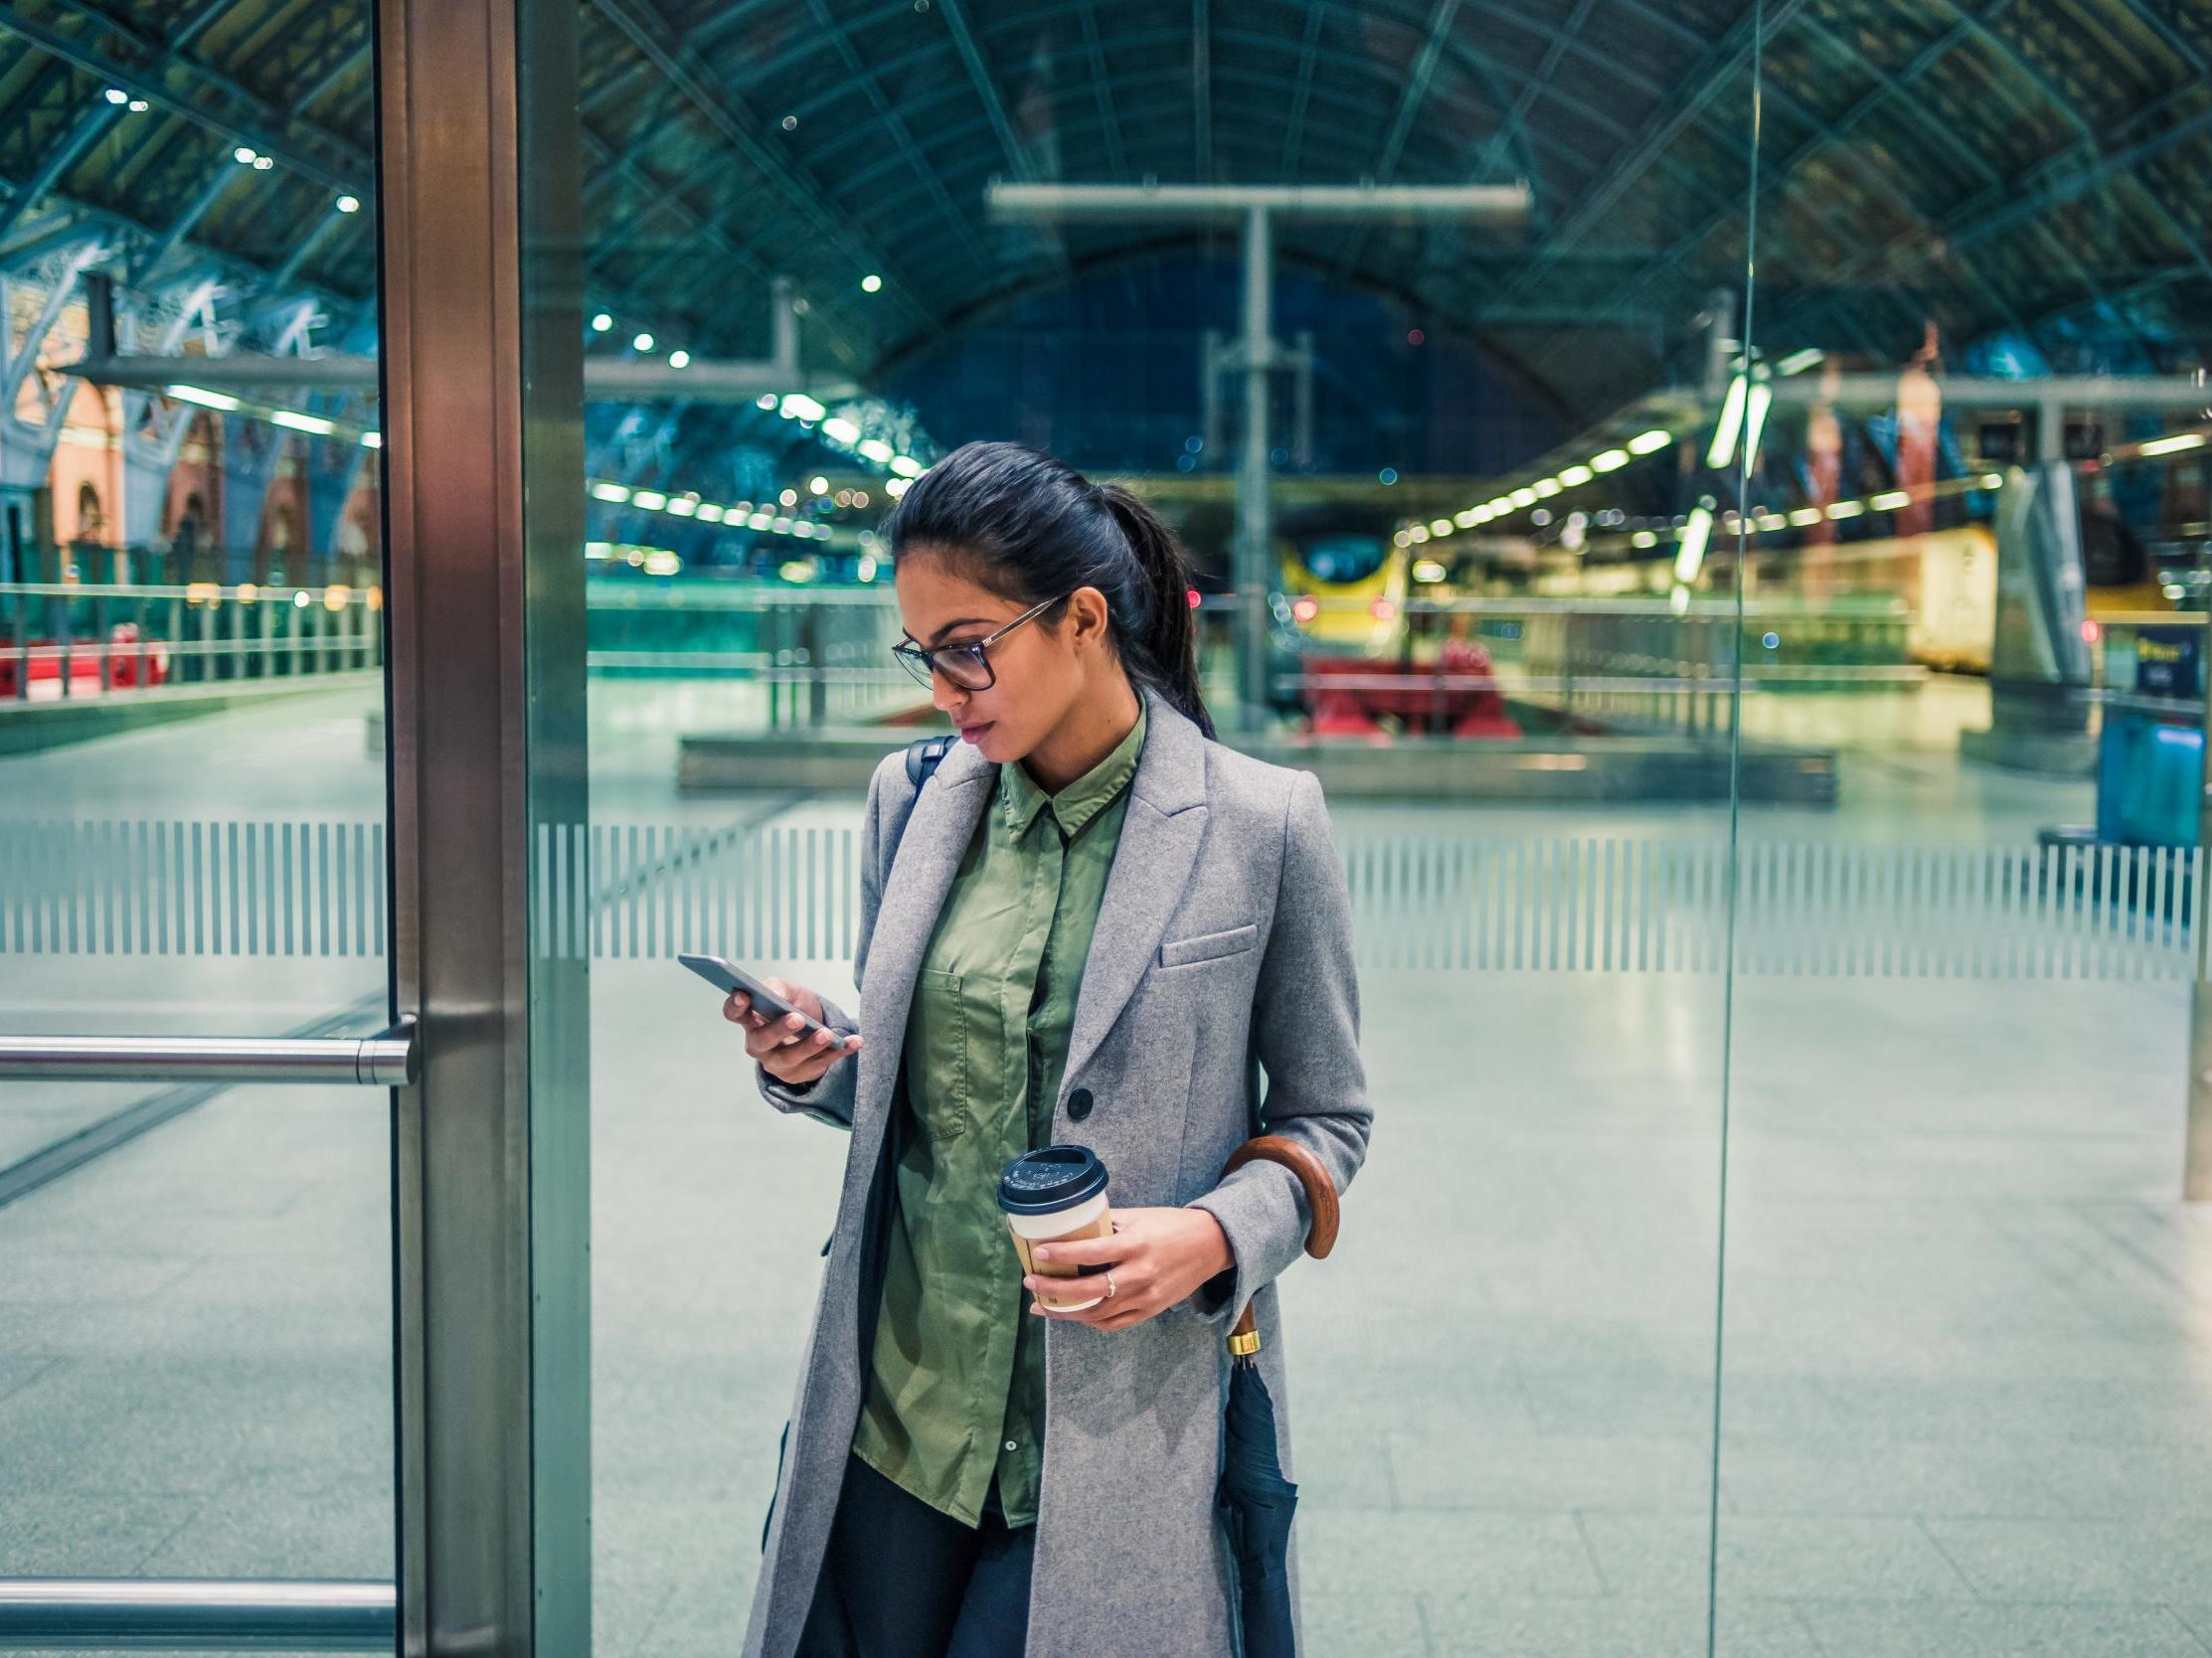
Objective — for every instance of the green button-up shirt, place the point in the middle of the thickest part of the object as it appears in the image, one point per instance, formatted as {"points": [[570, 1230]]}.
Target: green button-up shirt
{"points": [[956, 1392]]}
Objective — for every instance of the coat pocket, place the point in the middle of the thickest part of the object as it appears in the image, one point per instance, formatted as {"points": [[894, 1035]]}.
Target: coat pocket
{"points": [[1207, 946]]}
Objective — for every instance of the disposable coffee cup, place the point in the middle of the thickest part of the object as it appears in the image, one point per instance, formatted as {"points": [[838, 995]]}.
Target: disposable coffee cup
{"points": [[1055, 1196]]}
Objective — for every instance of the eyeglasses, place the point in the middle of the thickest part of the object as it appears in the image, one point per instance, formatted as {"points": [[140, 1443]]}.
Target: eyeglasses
{"points": [[964, 665]]}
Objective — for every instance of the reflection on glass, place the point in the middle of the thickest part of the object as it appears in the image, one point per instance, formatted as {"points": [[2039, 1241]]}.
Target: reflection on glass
{"points": [[1425, 421], [195, 1320], [1963, 1368]]}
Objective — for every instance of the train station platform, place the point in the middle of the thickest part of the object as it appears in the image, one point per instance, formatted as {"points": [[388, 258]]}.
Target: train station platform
{"points": [[1963, 1356]]}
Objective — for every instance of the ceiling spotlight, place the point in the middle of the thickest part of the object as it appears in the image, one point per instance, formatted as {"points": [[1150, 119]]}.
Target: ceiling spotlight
{"points": [[643, 342], [243, 156], [818, 484], [137, 107], [601, 323], [871, 283], [2172, 446], [115, 95], [679, 359], [349, 203], [263, 164], [1689, 552], [205, 399]]}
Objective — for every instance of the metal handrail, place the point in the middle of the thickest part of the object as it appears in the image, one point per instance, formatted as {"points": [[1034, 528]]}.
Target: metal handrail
{"points": [[384, 1061], [198, 1614]]}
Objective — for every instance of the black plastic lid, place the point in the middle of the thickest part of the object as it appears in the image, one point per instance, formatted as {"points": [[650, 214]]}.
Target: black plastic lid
{"points": [[1048, 1181]]}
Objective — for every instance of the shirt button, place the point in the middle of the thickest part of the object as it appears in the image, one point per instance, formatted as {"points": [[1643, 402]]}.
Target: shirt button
{"points": [[1078, 1105], [1011, 1445]]}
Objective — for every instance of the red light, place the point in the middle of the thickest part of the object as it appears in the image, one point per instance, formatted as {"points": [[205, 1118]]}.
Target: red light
{"points": [[1193, 598], [1414, 335], [1382, 610], [1306, 609], [2091, 632]]}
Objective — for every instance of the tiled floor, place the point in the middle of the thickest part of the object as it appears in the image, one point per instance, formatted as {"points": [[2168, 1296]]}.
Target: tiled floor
{"points": [[1967, 1402]]}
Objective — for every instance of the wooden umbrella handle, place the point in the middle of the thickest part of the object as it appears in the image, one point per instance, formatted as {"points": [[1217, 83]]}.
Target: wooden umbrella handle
{"points": [[1313, 1175], [1320, 1198]]}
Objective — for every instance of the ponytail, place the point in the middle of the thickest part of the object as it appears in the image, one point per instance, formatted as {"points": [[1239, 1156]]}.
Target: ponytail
{"points": [[1031, 528], [1166, 645]]}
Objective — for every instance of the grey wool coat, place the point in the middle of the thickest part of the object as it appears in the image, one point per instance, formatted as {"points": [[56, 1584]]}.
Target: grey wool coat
{"points": [[1225, 922]]}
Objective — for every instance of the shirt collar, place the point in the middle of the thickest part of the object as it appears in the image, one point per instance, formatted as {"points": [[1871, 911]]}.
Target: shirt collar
{"points": [[1082, 799]]}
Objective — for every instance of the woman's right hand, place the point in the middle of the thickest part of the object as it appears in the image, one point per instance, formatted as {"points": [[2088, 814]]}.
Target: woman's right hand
{"points": [[785, 1047]]}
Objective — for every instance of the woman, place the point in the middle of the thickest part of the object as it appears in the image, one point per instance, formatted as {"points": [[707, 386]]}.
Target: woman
{"points": [[1079, 931]]}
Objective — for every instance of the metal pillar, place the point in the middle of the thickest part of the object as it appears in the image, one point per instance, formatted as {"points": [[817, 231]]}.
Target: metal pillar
{"points": [[2040, 667], [152, 438], [1255, 206], [251, 451], [1254, 533], [481, 331], [331, 466], [27, 446]]}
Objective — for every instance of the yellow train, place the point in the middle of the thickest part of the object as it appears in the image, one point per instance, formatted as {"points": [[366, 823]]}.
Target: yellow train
{"points": [[1342, 583]]}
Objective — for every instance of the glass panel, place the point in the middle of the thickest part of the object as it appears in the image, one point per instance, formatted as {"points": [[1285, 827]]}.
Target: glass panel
{"points": [[1964, 1380], [1434, 521], [195, 1325]]}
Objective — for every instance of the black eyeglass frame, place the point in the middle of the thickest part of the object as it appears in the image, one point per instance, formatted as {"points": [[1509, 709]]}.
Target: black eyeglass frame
{"points": [[922, 660]]}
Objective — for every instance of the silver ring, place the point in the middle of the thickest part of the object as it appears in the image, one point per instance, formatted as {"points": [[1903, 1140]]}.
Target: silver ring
{"points": [[1109, 1283]]}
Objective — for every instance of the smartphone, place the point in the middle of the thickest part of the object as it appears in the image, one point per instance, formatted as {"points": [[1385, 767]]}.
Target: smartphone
{"points": [[730, 978]]}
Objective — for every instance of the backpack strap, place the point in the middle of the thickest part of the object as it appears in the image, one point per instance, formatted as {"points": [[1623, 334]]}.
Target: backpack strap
{"points": [[924, 756]]}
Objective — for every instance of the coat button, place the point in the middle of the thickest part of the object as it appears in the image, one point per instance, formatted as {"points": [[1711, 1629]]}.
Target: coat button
{"points": [[1078, 1105]]}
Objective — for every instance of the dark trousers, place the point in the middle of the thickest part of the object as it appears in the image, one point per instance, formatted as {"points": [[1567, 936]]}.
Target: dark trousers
{"points": [[902, 1580]]}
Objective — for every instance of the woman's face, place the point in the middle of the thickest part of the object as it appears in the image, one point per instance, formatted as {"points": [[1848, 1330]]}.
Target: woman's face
{"points": [[1038, 671]]}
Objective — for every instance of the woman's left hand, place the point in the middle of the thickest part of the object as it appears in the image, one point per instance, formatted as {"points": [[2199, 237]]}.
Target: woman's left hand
{"points": [[1157, 1257]]}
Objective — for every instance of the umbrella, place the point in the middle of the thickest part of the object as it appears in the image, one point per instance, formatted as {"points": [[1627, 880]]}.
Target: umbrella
{"points": [[1253, 1501]]}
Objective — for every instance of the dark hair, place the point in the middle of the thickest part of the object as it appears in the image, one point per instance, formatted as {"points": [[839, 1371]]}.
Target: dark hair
{"points": [[1029, 528]]}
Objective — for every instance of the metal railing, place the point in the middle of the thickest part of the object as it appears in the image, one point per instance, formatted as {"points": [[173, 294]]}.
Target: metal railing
{"points": [[62, 640], [821, 656], [198, 1614]]}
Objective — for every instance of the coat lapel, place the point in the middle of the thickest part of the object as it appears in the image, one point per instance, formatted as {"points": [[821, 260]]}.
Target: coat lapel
{"points": [[1160, 832], [914, 890]]}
